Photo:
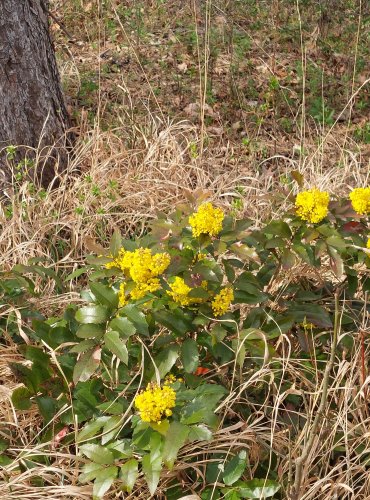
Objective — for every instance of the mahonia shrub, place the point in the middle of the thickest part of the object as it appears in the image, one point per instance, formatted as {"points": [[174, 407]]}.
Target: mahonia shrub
{"points": [[140, 362]]}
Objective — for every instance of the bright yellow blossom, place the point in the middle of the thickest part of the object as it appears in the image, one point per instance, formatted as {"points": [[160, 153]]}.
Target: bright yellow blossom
{"points": [[117, 262], [360, 198], [204, 284], [222, 301], [368, 243], [207, 220], [160, 262], [141, 289], [141, 264], [199, 256], [180, 291], [122, 301], [169, 379], [155, 403], [312, 205]]}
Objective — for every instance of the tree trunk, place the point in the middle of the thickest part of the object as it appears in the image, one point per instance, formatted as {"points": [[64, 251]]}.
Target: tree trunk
{"points": [[32, 109]]}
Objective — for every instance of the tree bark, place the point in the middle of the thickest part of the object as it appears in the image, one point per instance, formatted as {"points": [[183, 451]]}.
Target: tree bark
{"points": [[32, 108]]}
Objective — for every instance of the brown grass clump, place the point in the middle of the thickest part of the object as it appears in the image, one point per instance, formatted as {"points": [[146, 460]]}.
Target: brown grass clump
{"points": [[130, 186]]}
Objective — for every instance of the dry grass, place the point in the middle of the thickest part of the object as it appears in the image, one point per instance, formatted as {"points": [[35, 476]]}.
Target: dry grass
{"points": [[159, 173]]}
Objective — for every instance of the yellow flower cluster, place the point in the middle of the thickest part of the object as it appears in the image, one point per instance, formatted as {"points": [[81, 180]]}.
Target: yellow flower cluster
{"points": [[368, 243], [155, 403], [141, 289], [143, 268], [122, 301], [180, 291], [169, 379], [207, 220], [199, 256], [312, 205], [360, 198], [222, 301]]}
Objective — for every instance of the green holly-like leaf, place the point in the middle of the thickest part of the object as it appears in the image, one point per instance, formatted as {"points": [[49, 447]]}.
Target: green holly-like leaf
{"points": [[98, 454], [105, 294], [86, 365], [189, 355], [175, 438], [152, 463], [257, 488], [116, 346], [128, 474], [21, 398], [116, 243], [235, 468], [123, 326], [103, 481], [92, 314]]}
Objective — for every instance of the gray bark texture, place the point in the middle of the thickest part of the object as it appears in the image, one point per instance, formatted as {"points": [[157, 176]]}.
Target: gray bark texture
{"points": [[32, 108]]}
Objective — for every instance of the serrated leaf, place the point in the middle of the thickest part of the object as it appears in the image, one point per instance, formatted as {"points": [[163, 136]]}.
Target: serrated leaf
{"points": [[122, 448], [243, 297], [98, 454], [86, 365], [105, 294], [166, 359], [3, 445], [199, 433], [116, 243], [304, 252], [76, 274], [258, 488], [136, 317], [312, 313], [21, 398], [90, 331], [116, 346], [229, 270], [287, 259], [103, 481], [83, 346], [152, 463], [5, 460], [123, 326], [298, 177], [336, 242], [278, 228], [111, 429], [92, 314], [336, 262], [189, 355], [275, 242], [89, 472], [29, 377], [195, 412], [162, 427], [176, 321], [129, 473], [47, 407], [244, 252], [175, 438], [235, 468], [152, 468], [91, 429]]}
